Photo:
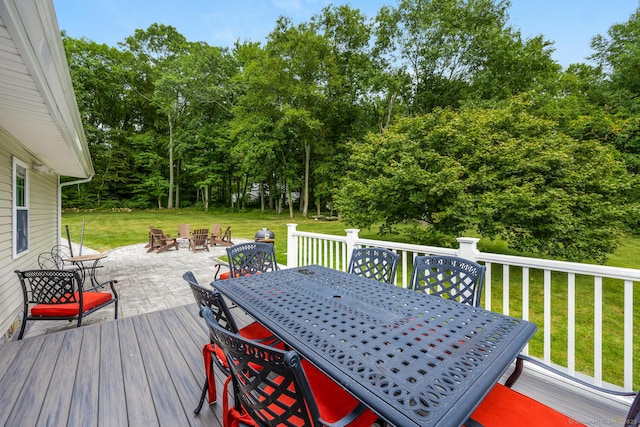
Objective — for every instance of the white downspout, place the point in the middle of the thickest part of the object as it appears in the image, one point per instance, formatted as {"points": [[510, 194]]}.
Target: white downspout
{"points": [[65, 184]]}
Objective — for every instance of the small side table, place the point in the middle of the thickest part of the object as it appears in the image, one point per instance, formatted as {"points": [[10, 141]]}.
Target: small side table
{"points": [[81, 259]]}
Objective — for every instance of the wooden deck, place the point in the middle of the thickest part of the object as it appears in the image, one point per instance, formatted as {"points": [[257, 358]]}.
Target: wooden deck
{"points": [[148, 370], [141, 370]]}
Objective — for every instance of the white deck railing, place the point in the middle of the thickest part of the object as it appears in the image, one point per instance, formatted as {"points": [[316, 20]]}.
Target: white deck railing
{"points": [[575, 306]]}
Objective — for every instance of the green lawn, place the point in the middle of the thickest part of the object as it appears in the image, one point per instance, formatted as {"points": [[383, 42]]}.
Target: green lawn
{"points": [[108, 230]]}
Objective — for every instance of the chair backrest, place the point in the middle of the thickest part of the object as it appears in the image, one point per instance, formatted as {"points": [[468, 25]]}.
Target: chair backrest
{"points": [[200, 236], [50, 261], [184, 230], [251, 258], [270, 383], [62, 251], [207, 297], [448, 277], [50, 286], [226, 237], [215, 231], [374, 263]]}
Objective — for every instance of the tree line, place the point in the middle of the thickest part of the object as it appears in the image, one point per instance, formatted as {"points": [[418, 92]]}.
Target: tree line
{"points": [[433, 113]]}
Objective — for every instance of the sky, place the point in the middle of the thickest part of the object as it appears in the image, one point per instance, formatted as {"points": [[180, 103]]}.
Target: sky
{"points": [[569, 24]]}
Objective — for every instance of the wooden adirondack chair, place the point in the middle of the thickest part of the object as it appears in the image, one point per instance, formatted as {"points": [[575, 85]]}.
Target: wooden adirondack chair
{"points": [[184, 231], [161, 242], [225, 240], [199, 239], [215, 234]]}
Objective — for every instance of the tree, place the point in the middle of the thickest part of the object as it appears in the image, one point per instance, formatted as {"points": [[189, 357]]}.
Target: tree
{"points": [[499, 171], [110, 110], [618, 54], [448, 51], [160, 50]]}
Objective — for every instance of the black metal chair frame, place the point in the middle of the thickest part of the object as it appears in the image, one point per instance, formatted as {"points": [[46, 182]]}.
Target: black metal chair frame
{"points": [[208, 297], [249, 258], [56, 287], [374, 263], [256, 368], [633, 415], [448, 277]]}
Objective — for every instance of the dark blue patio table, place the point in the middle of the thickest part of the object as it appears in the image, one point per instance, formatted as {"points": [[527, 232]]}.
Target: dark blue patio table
{"points": [[414, 359]]}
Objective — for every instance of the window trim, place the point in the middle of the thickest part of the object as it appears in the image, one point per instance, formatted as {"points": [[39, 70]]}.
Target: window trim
{"points": [[17, 163]]}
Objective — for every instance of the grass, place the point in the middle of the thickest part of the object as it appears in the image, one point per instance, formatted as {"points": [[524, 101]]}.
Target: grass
{"points": [[108, 230]]}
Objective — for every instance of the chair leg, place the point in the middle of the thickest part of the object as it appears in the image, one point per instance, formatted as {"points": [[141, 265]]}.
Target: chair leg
{"points": [[23, 327], [515, 374], [202, 397]]}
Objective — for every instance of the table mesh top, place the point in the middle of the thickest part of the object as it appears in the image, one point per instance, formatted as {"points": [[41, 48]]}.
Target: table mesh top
{"points": [[415, 352]]}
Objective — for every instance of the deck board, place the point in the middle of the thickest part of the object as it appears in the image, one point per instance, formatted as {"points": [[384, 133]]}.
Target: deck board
{"points": [[141, 370], [148, 370], [111, 392]]}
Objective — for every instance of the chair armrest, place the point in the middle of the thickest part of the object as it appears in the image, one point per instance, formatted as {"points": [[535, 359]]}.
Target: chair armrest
{"points": [[520, 365], [218, 266], [111, 284], [347, 419]]}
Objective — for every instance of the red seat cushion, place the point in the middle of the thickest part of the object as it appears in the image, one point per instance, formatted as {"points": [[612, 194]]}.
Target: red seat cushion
{"points": [[227, 274], [89, 300], [332, 400], [506, 407]]}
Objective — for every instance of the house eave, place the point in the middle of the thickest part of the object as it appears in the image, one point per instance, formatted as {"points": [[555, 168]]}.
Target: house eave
{"points": [[37, 100]]}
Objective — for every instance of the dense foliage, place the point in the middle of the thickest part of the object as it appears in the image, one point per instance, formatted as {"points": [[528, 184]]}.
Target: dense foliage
{"points": [[434, 112]]}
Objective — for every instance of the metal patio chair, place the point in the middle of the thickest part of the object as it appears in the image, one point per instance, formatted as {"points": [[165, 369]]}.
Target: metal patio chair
{"points": [[448, 277], [506, 407], [374, 263], [275, 387], [208, 297], [59, 295], [248, 258]]}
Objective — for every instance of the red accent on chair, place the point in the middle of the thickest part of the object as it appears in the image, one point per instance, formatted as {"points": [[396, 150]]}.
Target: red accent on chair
{"points": [[506, 407], [333, 402], [227, 274], [90, 300], [254, 331]]}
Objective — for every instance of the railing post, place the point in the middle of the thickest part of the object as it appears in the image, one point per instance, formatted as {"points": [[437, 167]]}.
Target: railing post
{"points": [[352, 237], [468, 248], [292, 246]]}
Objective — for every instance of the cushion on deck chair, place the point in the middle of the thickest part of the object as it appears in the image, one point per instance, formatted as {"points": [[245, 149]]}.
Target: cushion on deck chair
{"points": [[227, 274], [333, 401], [90, 300], [506, 407], [253, 331]]}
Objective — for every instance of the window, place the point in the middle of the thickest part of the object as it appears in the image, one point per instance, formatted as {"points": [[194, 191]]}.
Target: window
{"points": [[20, 208]]}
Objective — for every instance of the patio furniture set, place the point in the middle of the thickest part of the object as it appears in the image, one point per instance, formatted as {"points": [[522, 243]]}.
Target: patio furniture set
{"points": [[404, 357], [329, 347], [198, 239]]}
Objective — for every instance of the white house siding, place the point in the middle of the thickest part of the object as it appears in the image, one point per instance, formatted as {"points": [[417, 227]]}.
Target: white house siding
{"points": [[43, 226]]}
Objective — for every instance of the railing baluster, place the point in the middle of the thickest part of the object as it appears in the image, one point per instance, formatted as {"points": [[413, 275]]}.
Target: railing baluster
{"points": [[597, 330], [525, 299], [487, 286], [405, 269], [628, 334], [505, 289], [547, 317], [571, 323]]}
